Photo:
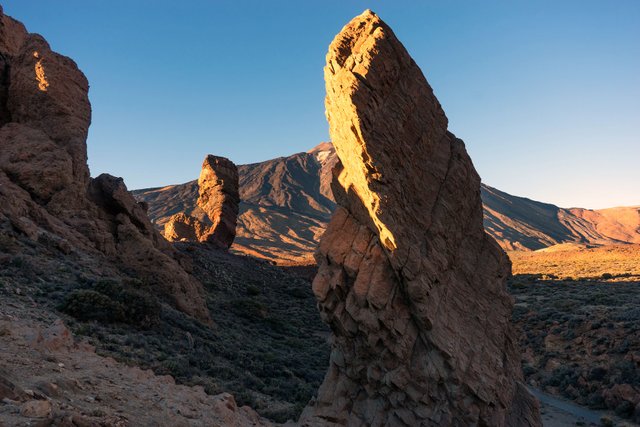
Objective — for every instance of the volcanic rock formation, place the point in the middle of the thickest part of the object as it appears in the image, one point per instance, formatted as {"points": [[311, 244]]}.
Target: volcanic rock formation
{"points": [[286, 204], [218, 201], [46, 193], [411, 286]]}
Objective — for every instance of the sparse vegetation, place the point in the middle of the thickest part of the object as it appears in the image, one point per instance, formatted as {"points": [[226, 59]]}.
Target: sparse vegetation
{"points": [[267, 346], [613, 262], [581, 339], [112, 302]]}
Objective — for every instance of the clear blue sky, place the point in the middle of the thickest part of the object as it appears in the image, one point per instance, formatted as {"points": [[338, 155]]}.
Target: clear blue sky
{"points": [[546, 94]]}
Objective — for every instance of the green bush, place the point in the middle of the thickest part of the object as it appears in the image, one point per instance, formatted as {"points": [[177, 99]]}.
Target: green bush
{"points": [[112, 302], [139, 307], [253, 290], [85, 304]]}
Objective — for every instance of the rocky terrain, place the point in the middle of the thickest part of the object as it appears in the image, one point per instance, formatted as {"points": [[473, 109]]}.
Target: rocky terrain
{"points": [[286, 204], [411, 286], [575, 261], [47, 198], [518, 223], [83, 250], [216, 210], [267, 347], [57, 381], [576, 311], [581, 339], [103, 322]]}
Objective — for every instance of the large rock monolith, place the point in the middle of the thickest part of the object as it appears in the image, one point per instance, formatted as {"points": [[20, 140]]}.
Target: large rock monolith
{"points": [[219, 199], [217, 206], [411, 286]]}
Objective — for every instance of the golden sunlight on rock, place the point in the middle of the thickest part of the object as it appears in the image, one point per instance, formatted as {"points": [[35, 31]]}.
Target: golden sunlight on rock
{"points": [[43, 84]]}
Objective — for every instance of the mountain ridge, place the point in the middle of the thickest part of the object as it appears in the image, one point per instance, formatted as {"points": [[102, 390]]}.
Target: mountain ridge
{"points": [[286, 203]]}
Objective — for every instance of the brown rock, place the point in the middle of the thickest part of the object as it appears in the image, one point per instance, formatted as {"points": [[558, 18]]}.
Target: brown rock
{"points": [[8, 389], [55, 338], [36, 409], [45, 189], [218, 202], [34, 161], [182, 227], [219, 199], [619, 393], [412, 287]]}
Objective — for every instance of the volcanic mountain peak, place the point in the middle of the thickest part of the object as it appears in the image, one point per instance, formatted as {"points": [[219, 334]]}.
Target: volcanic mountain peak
{"points": [[286, 204]]}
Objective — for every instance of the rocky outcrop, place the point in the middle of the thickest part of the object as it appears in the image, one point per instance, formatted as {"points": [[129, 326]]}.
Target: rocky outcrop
{"points": [[218, 204], [46, 192], [286, 204], [411, 286], [219, 199], [182, 227]]}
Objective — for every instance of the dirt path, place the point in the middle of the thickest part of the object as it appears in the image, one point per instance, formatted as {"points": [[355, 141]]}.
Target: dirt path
{"points": [[562, 413]]}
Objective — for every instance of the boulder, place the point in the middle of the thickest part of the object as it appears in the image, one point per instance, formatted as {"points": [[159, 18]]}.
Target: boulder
{"points": [[36, 409], [411, 286], [183, 227]]}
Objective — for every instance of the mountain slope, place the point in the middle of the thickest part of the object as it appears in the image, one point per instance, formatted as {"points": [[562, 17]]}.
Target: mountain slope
{"points": [[285, 205], [518, 223], [287, 202]]}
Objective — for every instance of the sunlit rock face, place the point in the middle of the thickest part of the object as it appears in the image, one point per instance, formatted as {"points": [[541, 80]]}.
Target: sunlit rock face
{"points": [[46, 192], [219, 198], [411, 286], [217, 206]]}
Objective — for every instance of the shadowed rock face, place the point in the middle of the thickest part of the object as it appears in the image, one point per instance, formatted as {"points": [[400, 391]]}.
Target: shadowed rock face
{"points": [[217, 206], [411, 286], [45, 189]]}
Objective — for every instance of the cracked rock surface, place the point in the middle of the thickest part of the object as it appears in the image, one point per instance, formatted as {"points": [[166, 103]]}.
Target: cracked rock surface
{"points": [[216, 212], [411, 286]]}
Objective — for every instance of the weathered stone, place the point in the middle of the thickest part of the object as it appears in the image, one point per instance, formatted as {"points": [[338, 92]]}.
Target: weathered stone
{"points": [[421, 319], [182, 227], [36, 409], [218, 201], [45, 189], [8, 389]]}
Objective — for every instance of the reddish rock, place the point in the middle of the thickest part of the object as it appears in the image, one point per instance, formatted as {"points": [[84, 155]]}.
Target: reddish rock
{"points": [[36, 409], [219, 199], [218, 205], [620, 393], [182, 227], [45, 189], [412, 287]]}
